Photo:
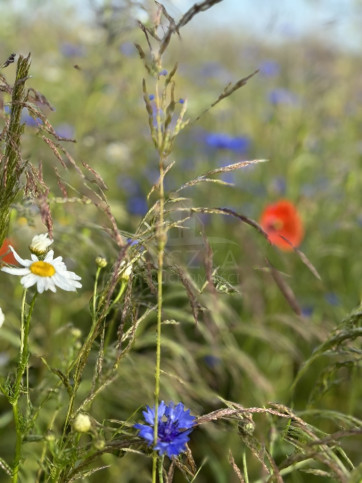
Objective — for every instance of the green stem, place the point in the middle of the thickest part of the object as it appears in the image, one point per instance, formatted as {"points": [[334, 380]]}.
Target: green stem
{"points": [[94, 305], [81, 359], [161, 236], [22, 365], [113, 321]]}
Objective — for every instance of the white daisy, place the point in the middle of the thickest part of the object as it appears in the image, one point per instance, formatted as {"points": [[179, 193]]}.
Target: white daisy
{"points": [[40, 244], [47, 274], [2, 317]]}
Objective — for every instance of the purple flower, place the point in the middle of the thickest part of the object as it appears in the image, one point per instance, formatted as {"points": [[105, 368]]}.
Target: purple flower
{"points": [[269, 68], [212, 361], [65, 130], [332, 299], [137, 205], [128, 49], [163, 72], [28, 120], [239, 144], [307, 311], [174, 426], [72, 50], [281, 95], [279, 185]]}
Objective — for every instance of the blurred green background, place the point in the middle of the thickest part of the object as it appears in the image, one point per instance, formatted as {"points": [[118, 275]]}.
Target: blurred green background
{"points": [[301, 112]]}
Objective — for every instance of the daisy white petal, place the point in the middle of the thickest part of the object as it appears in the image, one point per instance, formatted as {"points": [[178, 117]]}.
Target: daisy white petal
{"points": [[25, 263], [15, 271], [47, 274]]}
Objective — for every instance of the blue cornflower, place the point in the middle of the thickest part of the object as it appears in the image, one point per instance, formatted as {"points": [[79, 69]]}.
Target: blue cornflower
{"points": [[28, 120], [174, 426], [65, 130], [332, 298], [128, 49], [269, 68], [281, 95], [137, 205], [239, 144]]}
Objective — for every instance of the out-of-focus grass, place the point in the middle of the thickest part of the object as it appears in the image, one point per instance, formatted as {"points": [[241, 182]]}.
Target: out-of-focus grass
{"points": [[301, 112]]}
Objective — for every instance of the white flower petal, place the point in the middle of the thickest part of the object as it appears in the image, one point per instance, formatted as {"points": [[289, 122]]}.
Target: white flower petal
{"points": [[15, 271], [24, 263], [49, 256], [61, 278], [2, 317], [29, 280]]}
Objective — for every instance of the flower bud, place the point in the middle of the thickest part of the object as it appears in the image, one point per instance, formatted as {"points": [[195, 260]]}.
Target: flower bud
{"points": [[76, 333], [40, 244], [126, 270], [101, 262], [99, 444], [82, 423]]}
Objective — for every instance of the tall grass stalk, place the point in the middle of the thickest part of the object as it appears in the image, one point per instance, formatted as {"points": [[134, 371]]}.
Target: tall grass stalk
{"points": [[11, 165]]}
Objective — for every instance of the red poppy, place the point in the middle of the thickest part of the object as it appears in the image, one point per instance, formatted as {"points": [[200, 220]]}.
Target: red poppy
{"points": [[282, 223], [6, 255]]}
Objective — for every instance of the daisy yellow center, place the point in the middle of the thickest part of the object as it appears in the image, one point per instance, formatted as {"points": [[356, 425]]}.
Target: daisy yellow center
{"points": [[42, 269]]}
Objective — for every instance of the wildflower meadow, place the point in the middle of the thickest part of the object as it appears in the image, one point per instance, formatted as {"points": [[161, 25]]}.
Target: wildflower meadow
{"points": [[180, 248]]}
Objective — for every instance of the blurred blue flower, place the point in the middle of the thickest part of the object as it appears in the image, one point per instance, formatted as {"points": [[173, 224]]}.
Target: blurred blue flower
{"points": [[181, 101], [65, 130], [279, 185], [132, 242], [238, 144], [129, 185], [26, 117], [151, 97], [214, 70], [212, 361], [269, 68], [28, 120], [280, 95], [128, 49], [71, 50], [163, 72], [332, 299], [307, 311], [137, 205], [174, 426]]}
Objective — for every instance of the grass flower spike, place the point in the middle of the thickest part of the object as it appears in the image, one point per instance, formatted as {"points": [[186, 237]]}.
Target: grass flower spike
{"points": [[174, 426], [47, 274]]}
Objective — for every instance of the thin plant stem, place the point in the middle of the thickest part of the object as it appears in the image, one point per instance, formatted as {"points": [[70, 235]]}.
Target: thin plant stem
{"points": [[161, 249], [94, 304], [22, 366]]}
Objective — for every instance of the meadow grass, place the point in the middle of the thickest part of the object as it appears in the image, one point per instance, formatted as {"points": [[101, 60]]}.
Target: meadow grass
{"points": [[148, 156]]}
